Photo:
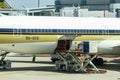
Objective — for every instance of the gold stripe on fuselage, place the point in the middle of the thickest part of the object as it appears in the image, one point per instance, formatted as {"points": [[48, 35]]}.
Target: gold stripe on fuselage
{"points": [[9, 38], [27, 38], [97, 37]]}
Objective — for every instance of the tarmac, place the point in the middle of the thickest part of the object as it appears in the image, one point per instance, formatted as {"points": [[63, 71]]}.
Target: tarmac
{"points": [[43, 69]]}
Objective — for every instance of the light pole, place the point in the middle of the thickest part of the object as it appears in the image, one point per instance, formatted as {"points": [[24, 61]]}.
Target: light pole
{"points": [[38, 3]]}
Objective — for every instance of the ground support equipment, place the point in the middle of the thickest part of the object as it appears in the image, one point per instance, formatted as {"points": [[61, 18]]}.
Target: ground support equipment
{"points": [[76, 61]]}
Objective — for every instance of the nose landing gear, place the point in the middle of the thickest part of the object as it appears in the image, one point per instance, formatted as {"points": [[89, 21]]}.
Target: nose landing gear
{"points": [[5, 64]]}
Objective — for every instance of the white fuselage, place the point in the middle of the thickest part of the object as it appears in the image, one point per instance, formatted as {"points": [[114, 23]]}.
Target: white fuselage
{"points": [[35, 35]]}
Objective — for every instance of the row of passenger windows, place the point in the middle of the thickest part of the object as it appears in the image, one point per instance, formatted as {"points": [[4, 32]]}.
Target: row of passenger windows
{"points": [[64, 31]]}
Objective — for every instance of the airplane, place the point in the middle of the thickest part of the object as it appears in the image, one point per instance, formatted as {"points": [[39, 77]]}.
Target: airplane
{"points": [[42, 35]]}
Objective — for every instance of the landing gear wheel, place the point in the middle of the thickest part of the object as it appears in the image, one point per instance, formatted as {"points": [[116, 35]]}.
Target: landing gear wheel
{"points": [[6, 64], [98, 61]]}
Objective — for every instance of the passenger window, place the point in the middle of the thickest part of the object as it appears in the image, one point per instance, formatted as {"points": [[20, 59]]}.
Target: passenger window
{"points": [[68, 30]]}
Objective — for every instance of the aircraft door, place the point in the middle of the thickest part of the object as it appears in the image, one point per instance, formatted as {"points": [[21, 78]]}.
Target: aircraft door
{"points": [[63, 45], [17, 33]]}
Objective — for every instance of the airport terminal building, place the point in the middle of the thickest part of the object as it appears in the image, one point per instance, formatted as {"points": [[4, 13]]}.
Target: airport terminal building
{"points": [[73, 8]]}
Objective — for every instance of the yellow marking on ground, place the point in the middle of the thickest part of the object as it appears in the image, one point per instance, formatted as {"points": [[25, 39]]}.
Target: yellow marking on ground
{"points": [[12, 73]]}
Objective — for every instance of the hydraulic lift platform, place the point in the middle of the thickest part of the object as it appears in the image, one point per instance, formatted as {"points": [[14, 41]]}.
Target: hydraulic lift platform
{"points": [[77, 61]]}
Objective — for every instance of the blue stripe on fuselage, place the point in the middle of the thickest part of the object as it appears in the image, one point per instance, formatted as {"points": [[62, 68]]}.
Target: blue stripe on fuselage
{"points": [[64, 31]]}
